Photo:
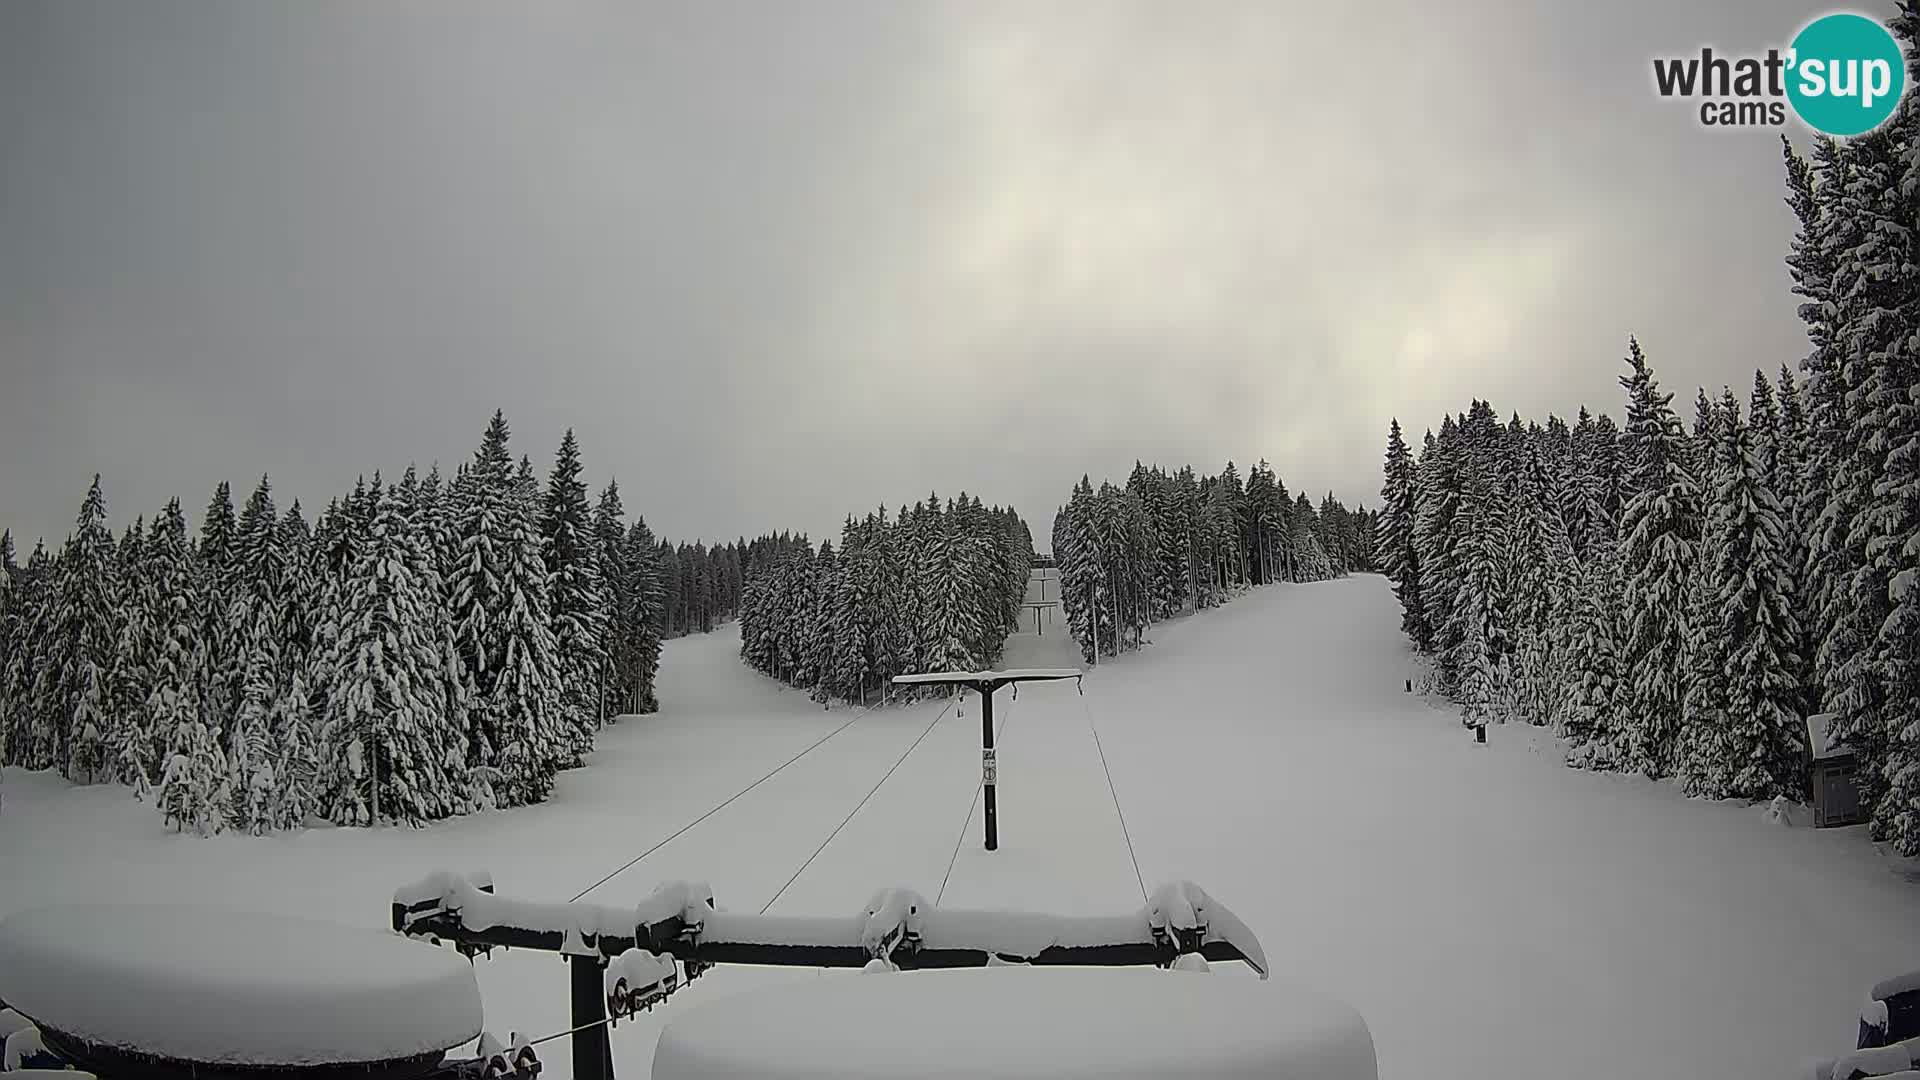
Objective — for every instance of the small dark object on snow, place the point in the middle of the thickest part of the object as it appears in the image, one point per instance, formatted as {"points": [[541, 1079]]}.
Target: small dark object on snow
{"points": [[1480, 734], [1409, 686]]}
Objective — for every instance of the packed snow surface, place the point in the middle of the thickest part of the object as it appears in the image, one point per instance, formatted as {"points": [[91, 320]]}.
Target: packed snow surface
{"points": [[1484, 908], [1010, 1023], [203, 984]]}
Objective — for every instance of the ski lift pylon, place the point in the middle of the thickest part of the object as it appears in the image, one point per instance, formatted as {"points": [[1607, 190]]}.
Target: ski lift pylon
{"points": [[985, 683]]}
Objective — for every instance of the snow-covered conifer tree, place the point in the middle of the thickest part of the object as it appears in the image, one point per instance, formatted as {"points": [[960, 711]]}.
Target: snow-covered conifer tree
{"points": [[524, 699], [79, 650], [1441, 487], [1760, 747], [1661, 529], [32, 739], [577, 603], [616, 595], [384, 731], [1595, 723], [193, 789], [255, 630], [1397, 555], [131, 746], [1538, 557], [9, 640], [1697, 760], [645, 620]]}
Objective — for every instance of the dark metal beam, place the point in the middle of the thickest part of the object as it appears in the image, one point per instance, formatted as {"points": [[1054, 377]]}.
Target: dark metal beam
{"points": [[448, 909], [592, 1052], [989, 768]]}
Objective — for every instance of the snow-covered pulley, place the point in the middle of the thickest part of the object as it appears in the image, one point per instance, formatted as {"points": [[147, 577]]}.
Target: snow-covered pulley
{"points": [[517, 1062], [637, 980]]}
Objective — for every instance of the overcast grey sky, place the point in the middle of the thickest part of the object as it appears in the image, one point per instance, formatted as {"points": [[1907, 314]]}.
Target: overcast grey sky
{"points": [[774, 262]]}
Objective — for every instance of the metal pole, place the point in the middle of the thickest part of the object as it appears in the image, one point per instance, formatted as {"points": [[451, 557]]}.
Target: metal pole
{"points": [[592, 1053], [987, 763]]}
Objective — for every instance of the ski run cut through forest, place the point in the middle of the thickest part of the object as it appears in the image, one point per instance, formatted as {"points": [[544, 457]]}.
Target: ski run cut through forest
{"points": [[1487, 910], [1519, 763]]}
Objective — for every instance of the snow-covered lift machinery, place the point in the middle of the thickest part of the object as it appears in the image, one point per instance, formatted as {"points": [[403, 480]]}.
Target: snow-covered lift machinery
{"points": [[623, 959], [985, 683], [170, 992]]}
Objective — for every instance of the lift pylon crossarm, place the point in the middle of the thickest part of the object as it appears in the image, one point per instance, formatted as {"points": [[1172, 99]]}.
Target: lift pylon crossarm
{"points": [[620, 960], [897, 925], [992, 680]]}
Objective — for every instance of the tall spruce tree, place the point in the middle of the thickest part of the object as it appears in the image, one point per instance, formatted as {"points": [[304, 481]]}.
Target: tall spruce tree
{"points": [[645, 621], [577, 603], [33, 741], [220, 654], [1595, 719], [384, 736], [9, 640], [1397, 555], [1441, 487], [131, 751], [255, 630], [1759, 748], [1661, 528], [616, 594], [1897, 646], [80, 648]]}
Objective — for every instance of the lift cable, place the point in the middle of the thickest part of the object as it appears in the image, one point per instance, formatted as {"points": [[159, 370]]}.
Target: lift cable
{"points": [[978, 785], [729, 800], [570, 1031], [1119, 813], [863, 802]]}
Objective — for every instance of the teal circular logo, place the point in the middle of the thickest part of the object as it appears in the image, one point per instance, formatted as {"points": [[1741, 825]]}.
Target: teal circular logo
{"points": [[1845, 74]]}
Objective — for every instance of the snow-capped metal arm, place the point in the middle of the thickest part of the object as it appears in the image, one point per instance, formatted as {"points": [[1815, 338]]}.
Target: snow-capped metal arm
{"points": [[988, 681], [621, 960], [897, 925]]}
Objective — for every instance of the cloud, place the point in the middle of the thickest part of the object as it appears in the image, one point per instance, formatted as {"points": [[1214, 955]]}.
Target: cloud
{"points": [[777, 264]]}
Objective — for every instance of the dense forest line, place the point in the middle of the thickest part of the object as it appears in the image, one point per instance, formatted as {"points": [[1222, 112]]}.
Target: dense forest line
{"points": [[423, 648], [1677, 602], [1168, 543], [937, 588]]}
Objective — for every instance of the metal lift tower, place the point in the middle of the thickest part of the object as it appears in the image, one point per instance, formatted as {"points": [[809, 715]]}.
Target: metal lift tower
{"points": [[985, 683]]}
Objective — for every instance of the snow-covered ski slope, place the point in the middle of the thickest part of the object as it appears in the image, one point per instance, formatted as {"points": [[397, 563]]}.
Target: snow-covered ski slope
{"points": [[1491, 913]]}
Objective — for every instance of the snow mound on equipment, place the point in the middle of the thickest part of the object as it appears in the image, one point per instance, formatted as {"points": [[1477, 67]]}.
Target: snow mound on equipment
{"points": [[219, 987], [1013, 1023]]}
